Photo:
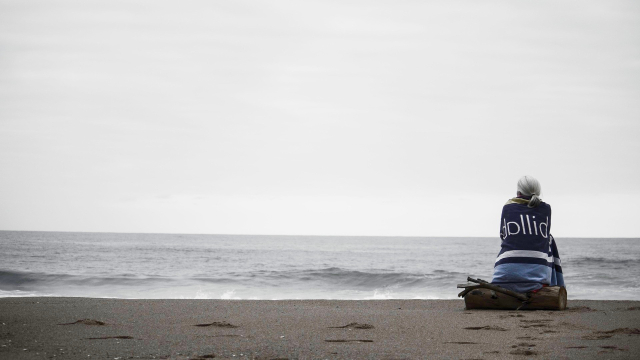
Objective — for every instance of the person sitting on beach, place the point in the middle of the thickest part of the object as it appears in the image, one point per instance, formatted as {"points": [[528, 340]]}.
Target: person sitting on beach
{"points": [[529, 258]]}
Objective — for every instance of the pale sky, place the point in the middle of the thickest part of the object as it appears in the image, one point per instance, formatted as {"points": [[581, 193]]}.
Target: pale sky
{"points": [[407, 118]]}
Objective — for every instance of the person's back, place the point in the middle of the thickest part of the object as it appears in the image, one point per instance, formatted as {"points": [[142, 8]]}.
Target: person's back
{"points": [[528, 259]]}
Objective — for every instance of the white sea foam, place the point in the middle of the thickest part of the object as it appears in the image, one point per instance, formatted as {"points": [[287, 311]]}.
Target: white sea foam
{"points": [[230, 294]]}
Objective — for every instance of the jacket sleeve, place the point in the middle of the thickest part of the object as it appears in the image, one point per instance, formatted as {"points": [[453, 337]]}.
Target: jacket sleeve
{"points": [[557, 278]]}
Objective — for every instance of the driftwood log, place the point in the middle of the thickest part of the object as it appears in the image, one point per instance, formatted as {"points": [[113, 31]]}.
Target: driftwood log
{"points": [[482, 295], [479, 283]]}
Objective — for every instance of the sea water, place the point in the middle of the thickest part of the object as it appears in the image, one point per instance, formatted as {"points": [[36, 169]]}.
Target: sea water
{"points": [[152, 266]]}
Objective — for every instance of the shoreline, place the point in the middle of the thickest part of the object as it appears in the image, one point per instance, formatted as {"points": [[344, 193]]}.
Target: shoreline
{"points": [[90, 328]]}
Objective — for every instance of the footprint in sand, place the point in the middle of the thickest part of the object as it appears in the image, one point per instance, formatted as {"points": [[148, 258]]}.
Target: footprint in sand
{"points": [[460, 342], [526, 338], [523, 352], [533, 326], [220, 324], [528, 326], [534, 323], [611, 347], [523, 345], [206, 356], [349, 341], [86, 322], [353, 325], [627, 331], [494, 328], [511, 315], [601, 335]]}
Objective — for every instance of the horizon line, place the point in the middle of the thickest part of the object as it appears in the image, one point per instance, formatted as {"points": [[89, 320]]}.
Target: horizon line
{"points": [[293, 235]]}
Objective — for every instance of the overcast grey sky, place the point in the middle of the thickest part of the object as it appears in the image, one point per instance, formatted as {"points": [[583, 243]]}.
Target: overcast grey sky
{"points": [[318, 117]]}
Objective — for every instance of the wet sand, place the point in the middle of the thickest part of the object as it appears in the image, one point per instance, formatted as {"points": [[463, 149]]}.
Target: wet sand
{"points": [[82, 328]]}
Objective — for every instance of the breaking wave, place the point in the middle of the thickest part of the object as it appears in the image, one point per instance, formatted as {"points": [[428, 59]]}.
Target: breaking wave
{"points": [[332, 281]]}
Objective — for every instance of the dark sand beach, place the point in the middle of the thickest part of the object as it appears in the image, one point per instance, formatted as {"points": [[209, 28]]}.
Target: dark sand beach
{"points": [[83, 328]]}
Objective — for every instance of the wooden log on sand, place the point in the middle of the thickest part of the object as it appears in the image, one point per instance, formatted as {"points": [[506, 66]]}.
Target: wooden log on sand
{"points": [[547, 298], [479, 283]]}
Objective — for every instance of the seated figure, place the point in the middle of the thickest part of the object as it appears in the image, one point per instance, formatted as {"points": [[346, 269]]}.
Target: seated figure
{"points": [[528, 259]]}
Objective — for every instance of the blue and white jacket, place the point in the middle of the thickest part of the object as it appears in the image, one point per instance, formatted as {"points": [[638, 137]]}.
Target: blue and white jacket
{"points": [[529, 257]]}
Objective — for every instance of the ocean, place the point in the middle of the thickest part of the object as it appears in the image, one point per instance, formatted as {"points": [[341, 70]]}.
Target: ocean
{"points": [[174, 266]]}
